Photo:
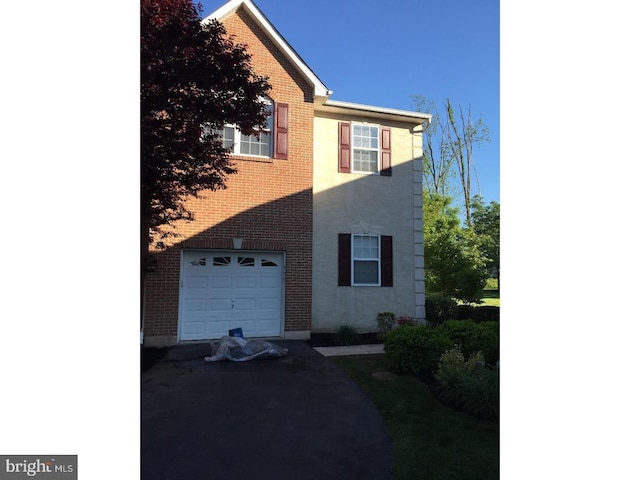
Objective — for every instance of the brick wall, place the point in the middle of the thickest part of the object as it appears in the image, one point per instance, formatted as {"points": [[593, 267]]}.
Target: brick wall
{"points": [[268, 202]]}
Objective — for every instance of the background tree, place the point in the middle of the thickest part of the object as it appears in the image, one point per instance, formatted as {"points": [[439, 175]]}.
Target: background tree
{"points": [[194, 80], [448, 153], [462, 137], [486, 225], [454, 263], [437, 161]]}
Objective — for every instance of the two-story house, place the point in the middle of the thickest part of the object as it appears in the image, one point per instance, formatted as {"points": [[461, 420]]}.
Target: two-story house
{"points": [[320, 227]]}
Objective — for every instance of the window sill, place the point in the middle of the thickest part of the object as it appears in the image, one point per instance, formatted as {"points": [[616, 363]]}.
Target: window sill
{"points": [[247, 158]]}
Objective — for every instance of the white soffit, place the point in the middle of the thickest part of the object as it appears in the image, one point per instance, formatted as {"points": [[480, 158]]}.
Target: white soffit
{"points": [[320, 90]]}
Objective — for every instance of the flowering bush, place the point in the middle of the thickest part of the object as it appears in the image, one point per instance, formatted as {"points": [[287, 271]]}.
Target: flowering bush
{"points": [[468, 384], [407, 321], [452, 363]]}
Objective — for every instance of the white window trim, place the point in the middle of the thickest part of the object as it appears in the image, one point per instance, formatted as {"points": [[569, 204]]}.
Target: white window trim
{"points": [[353, 148], [365, 259], [237, 137]]}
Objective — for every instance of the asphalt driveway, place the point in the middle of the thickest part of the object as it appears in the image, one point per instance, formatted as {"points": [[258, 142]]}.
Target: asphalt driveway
{"points": [[296, 417]]}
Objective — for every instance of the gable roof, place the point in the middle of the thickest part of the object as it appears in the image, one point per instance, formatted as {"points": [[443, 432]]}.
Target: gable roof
{"points": [[229, 8]]}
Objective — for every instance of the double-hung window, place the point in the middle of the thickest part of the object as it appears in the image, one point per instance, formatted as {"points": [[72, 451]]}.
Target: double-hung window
{"points": [[364, 148], [255, 145], [365, 260], [271, 142]]}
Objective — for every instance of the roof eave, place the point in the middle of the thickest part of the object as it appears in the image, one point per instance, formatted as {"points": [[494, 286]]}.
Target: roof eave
{"points": [[406, 116]]}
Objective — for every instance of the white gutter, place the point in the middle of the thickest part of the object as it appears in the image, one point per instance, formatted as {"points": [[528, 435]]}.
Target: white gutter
{"points": [[337, 106]]}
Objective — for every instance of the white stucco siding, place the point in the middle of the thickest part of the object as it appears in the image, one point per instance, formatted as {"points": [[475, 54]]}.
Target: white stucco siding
{"points": [[366, 204]]}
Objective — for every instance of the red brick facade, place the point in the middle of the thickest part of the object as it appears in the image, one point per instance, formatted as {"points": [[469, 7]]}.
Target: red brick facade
{"points": [[268, 202]]}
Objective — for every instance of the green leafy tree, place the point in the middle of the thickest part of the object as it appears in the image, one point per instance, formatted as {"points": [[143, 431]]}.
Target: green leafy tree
{"points": [[454, 263], [486, 224], [194, 80]]}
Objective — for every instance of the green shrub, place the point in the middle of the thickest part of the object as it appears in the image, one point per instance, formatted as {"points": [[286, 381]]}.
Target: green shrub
{"points": [[492, 284], [473, 337], [439, 308], [486, 314], [347, 335], [386, 321], [415, 349], [452, 362], [477, 313], [481, 393], [468, 385]]}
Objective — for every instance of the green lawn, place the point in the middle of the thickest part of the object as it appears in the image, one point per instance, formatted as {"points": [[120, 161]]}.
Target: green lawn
{"points": [[491, 297], [430, 441]]}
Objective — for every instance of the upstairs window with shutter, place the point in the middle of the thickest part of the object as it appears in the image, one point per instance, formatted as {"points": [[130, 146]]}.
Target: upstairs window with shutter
{"points": [[364, 148], [272, 142]]}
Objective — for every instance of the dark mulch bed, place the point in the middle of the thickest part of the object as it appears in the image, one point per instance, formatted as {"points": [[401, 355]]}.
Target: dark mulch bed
{"points": [[329, 339], [150, 356]]}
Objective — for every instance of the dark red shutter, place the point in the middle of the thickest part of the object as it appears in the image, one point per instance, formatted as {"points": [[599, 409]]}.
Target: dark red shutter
{"points": [[385, 152], [281, 138], [386, 262], [344, 259], [344, 147]]}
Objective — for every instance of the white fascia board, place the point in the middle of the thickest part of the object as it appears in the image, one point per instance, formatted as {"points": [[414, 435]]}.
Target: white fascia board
{"points": [[402, 115], [320, 90]]}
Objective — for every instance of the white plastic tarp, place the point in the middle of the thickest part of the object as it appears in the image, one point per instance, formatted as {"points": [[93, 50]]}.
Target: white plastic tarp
{"points": [[237, 349]]}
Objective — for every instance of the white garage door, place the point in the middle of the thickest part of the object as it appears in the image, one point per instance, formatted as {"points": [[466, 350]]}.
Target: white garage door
{"points": [[220, 291]]}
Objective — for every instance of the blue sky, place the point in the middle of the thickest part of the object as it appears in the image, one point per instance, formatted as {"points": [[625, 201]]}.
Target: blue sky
{"points": [[385, 56]]}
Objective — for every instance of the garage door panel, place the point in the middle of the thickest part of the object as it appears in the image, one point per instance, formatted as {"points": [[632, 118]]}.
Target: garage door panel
{"points": [[224, 281], [263, 328], [195, 305], [246, 282], [195, 282], [191, 328], [218, 329], [220, 304], [269, 304], [246, 304], [272, 282]]}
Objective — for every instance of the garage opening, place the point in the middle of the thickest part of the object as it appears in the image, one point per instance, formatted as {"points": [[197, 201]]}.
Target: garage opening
{"points": [[223, 290]]}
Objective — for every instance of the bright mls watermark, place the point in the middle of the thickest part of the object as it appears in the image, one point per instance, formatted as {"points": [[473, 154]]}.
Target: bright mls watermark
{"points": [[49, 467]]}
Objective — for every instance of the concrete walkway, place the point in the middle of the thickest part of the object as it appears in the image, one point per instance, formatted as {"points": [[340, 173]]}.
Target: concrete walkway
{"points": [[350, 350]]}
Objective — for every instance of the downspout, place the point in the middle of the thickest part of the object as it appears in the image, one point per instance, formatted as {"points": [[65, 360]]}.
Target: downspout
{"points": [[144, 302]]}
